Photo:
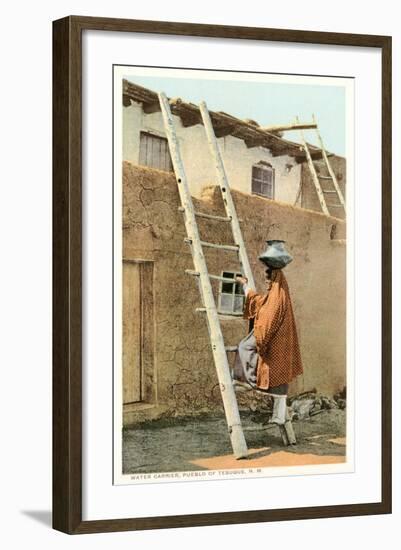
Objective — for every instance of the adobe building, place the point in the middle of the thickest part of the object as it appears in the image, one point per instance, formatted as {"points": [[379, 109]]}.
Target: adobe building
{"points": [[256, 161], [168, 368]]}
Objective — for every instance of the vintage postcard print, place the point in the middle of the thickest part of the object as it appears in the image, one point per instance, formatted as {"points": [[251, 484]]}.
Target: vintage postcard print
{"points": [[233, 274]]}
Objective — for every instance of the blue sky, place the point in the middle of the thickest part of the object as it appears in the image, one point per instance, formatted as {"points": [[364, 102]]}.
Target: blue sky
{"points": [[267, 103]]}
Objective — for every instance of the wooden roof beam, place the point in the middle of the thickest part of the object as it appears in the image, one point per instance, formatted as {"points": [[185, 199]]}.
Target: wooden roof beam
{"points": [[149, 108], [301, 157], [126, 100], [223, 130], [188, 121], [223, 123], [251, 142], [138, 93], [293, 153], [287, 127], [188, 113]]}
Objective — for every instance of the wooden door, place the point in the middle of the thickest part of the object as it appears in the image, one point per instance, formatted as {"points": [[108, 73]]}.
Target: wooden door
{"points": [[132, 333]]}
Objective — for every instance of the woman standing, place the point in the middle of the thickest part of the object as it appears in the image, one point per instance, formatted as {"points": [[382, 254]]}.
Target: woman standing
{"points": [[269, 357]]}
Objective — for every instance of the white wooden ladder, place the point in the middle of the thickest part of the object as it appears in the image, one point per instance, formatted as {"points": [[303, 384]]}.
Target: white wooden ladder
{"points": [[331, 186], [201, 273], [219, 349]]}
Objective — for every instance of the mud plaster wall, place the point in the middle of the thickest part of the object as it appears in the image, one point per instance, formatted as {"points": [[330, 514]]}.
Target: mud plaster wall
{"points": [[153, 229], [238, 158], [309, 198]]}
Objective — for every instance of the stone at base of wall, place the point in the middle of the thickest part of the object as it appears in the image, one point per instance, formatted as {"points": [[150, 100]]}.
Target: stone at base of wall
{"points": [[133, 413], [301, 407]]}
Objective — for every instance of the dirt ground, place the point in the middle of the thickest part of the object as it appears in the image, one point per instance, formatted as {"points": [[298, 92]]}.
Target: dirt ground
{"points": [[202, 443]]}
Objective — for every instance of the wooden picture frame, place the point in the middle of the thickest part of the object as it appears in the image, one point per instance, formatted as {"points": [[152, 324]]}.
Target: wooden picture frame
{"points": [[67, 273]]}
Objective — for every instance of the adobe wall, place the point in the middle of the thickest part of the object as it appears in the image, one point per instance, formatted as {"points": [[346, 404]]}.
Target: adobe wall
{"points": [[309, 198], [153, 229], [197, 158]]}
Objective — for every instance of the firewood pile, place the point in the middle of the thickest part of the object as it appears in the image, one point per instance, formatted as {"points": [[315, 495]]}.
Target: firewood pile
{"points": [[301, 406], [311, 403]]}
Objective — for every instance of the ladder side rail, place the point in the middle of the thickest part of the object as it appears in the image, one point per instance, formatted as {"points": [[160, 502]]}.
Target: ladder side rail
{"points": [[216, 337], [329, 167], [314, 174], [226, 193], [299, 193]]}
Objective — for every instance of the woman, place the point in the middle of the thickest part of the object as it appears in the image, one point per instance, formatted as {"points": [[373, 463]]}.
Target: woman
{"points": [[269, 357]]}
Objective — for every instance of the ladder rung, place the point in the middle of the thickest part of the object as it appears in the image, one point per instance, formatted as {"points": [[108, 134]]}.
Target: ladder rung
{"points": [[243, 386], [213, 217], [224, 313], [324, 177], [233, 247], [231, 348], [192, 272], [330, 192], [335, 206], [216, 277], [224, 279], [208, 216]]}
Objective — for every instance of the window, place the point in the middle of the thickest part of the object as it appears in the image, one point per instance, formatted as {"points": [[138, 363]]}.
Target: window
{"points": [[263, 180], [231, 295], [154, 152]]}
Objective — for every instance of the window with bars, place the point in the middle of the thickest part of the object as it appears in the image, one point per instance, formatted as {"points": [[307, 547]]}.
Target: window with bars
{"points": [[231, 295], [263, 180], [154, 152]]}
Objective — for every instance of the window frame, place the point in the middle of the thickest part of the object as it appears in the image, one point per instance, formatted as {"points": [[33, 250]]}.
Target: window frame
{"points": [[233, 294], [262, 165], [162, 139]]}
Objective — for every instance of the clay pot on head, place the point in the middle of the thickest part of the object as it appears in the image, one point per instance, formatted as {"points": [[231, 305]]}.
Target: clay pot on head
{"points": [[276, 256]]}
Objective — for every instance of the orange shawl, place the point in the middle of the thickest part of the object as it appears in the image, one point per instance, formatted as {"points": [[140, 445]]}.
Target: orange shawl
{"points": [[275, 333]]}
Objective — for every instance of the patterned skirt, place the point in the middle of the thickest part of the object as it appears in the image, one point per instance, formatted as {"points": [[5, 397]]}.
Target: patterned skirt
{"points": [[246, 361]]}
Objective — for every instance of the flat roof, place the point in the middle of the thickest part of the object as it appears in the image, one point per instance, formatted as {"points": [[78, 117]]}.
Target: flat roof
{"points": [[224, 124]]}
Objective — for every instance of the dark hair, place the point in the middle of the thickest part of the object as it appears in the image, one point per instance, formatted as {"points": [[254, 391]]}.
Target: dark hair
{"points": [[269, 271]]}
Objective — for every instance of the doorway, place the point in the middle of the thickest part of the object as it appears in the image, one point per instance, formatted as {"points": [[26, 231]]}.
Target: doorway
{"points": [[138, 328]]}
